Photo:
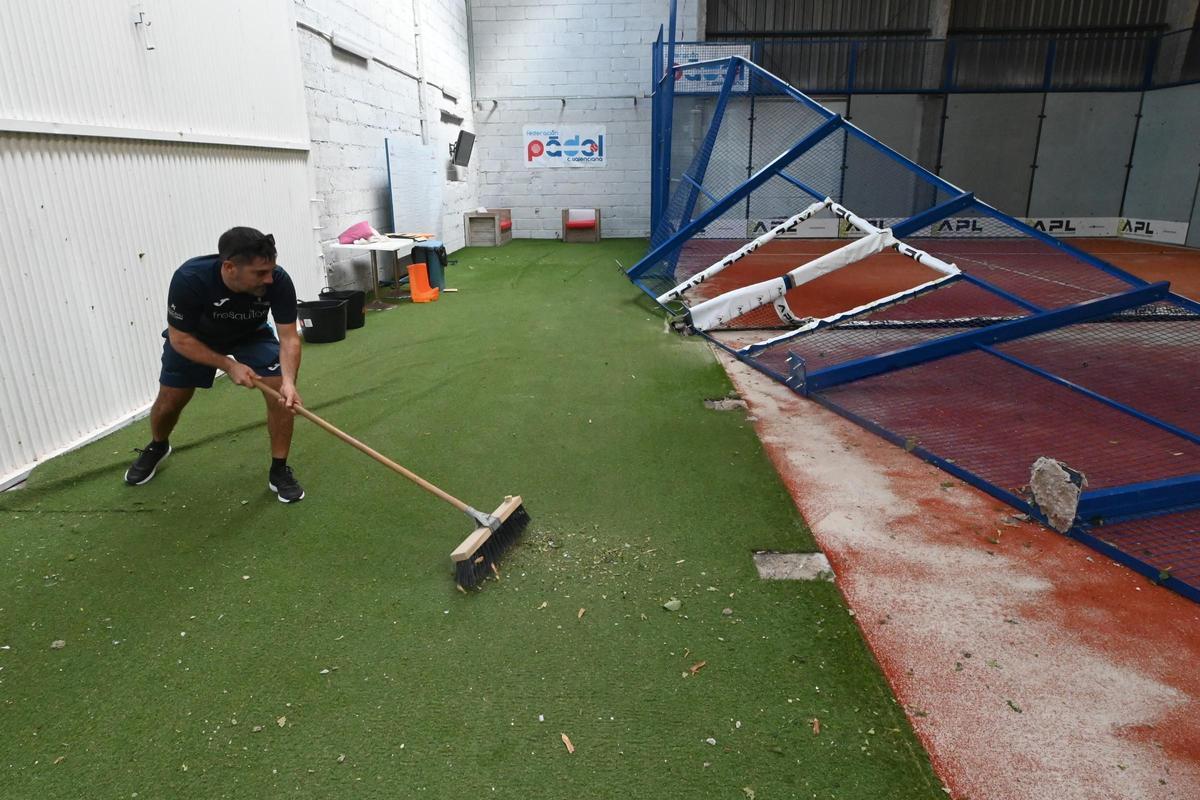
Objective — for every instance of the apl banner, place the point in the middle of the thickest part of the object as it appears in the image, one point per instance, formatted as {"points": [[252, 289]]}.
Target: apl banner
{"points": [[553, 146], [1069, 227], [1153, 230], [811, 228]]}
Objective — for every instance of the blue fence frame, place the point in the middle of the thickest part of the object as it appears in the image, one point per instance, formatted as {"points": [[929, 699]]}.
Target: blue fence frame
{"points": [[1112, 504]]}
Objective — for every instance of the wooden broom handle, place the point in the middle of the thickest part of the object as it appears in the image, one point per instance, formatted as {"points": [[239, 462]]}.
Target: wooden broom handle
{"points": [[380, 457]]}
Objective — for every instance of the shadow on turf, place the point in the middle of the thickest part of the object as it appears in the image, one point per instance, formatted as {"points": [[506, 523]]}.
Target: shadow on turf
{"points": [[116, 466], [34, 491]]}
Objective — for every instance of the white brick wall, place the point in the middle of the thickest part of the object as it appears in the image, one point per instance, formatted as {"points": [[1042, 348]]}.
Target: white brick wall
{"points": [[597, 50], [523, 49], [354, 105]]}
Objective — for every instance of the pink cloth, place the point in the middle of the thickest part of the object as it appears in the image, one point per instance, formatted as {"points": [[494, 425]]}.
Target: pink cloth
{"points": [[359, 230]]}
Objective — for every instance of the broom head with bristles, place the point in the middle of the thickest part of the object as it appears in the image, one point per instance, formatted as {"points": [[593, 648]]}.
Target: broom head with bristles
{"points": [[476, 557]]}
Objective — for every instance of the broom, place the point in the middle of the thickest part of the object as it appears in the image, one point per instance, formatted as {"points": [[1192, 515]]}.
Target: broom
{"points": [[478, 553]]}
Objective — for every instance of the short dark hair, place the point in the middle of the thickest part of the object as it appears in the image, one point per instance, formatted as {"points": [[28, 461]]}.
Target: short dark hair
{"points": [[242, 245]]}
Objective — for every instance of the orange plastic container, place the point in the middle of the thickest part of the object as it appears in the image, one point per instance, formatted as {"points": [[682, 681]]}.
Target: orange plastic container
{"points": [[418, 284]]}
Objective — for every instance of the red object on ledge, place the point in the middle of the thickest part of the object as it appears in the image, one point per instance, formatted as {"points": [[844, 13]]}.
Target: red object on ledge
{"points": [[581, 225]]}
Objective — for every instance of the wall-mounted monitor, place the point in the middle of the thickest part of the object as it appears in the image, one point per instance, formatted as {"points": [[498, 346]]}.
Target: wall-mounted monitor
{"points": [[461, 152]]}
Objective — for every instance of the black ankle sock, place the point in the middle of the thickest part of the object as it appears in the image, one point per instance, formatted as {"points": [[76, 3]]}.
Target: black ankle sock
{"points": [[278, 464], [159, 445]]}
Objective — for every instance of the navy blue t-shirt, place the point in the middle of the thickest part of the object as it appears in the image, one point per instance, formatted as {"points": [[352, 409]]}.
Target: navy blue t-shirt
{"points": [[200, 303]]}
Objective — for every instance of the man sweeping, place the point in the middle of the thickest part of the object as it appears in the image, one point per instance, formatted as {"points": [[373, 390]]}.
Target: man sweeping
{"points": [[217, 319]]}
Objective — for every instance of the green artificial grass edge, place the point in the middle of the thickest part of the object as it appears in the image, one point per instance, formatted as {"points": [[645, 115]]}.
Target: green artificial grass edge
{"points": [[219, 643]]}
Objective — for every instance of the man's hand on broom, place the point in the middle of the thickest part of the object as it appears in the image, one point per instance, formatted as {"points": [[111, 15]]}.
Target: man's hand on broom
{"points": [[240, 374], [288, 396]]}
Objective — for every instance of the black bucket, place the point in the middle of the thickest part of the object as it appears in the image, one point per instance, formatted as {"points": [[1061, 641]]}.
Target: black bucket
{"points": [[356, 300], [322, 320]]}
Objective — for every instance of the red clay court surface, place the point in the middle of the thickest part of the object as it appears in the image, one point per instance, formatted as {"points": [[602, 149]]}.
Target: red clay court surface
{"points": [[889, 272], [1030, 665], [878, 276]]}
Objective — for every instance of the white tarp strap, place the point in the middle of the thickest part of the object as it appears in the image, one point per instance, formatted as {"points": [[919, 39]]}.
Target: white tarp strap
{"points": [[782, 309], [840, 210], [738, 255], [857, 250], [920, 256], [785, 313], [720, 310], [825, 321], [716, 312]]}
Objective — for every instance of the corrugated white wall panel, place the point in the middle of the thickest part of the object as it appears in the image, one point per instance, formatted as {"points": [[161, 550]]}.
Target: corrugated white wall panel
{"points": [[91, 232], [219, 68]]}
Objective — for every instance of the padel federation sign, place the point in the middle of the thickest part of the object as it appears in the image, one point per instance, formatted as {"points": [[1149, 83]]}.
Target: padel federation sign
{"points": [[709, 78], [549, 146]]}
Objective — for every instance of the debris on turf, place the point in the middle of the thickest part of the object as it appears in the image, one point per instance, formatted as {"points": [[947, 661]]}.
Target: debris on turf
{"points": [[566, 740], [725, 404]]}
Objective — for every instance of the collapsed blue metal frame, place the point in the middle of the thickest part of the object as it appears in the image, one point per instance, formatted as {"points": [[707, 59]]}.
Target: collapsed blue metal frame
{"points": [[970, 340], [1111, 504]]}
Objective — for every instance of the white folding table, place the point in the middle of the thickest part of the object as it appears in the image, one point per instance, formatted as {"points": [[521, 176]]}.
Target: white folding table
{"points": [[399, 248]]}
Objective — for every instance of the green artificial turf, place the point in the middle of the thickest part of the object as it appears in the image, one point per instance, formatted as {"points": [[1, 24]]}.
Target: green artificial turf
{"points": [[222, 644]]}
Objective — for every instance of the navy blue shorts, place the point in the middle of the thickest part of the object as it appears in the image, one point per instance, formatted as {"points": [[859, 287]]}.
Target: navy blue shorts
{"points": [[260, 354]]}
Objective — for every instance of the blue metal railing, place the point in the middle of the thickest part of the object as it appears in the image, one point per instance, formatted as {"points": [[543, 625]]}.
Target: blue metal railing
{"points": [[1013, 63]]}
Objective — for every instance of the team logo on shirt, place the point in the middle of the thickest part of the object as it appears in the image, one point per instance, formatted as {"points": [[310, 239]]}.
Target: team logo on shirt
{"points": [[172, 313], [256, 313], [221, 302]]}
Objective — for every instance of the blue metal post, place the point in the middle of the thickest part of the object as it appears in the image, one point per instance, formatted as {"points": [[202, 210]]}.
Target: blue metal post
{"points": [[1139, 499], [668, 113], [993, 334], [1048, 74], [779, 163], [852, 71], [1151, 63], [948, 75], [656, 81], [784, 87], [710, 139], [932, 215]]}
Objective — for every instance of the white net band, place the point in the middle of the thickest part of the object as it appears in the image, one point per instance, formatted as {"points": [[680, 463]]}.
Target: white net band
{"points": [[739, 254], [720, 310], [826, 321]]}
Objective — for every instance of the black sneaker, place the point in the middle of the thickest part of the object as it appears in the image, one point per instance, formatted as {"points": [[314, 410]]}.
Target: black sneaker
{"points": [[146, 464], [284, 484]]}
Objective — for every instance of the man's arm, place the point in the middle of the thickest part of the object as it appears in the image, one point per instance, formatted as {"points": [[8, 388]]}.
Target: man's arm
{"points": [[289, 363], [193, 349]]}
